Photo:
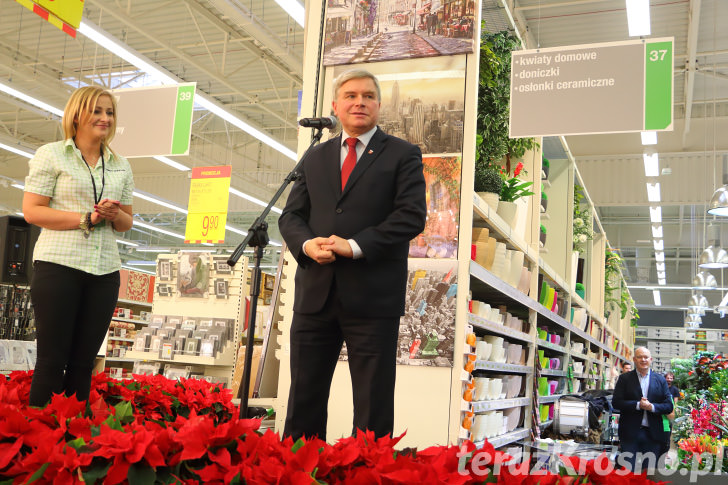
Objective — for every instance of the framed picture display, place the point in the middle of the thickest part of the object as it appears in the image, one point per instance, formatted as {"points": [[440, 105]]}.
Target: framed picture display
{"points": [[193, 273], [164, 270], [221, 288], [221, 266], [164, 290], [175, 373]]}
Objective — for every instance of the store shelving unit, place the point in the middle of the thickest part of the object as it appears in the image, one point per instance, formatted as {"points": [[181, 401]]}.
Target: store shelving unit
{"points": [[667, 343], [232, 307], [437, 395]]}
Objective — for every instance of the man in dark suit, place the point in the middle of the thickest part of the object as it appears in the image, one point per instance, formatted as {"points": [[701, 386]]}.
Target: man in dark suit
{"points": [[348, 222], [644, 401]]}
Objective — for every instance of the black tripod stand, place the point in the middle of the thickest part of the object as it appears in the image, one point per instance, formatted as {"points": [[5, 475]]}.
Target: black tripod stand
{"points": [[258, 239]]}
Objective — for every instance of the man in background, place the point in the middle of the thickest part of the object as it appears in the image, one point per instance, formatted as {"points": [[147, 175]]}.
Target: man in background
{"points": [[644, 402]]}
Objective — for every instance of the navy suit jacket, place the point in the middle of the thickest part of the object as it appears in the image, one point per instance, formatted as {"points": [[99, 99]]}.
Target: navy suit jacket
{"points": [[382, 208], [627, 393]]}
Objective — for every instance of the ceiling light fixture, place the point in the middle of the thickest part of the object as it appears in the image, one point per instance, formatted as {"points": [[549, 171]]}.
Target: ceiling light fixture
{"points": [[653, 192], [137, 269], [718, 205], [649, 137], [658, 244], [254, 200], [141, 262], [652, 165], [662, 281], [660, 266], [704, 280], [693, 321], [638, 17], [661, 274], [713, 257], [127, 243], [294, 9], [16, 150], [656, 215], [660, 256], [172, 163], [135, 58], [656, 297], [138, 223], [6, 88], [656, 231], [155, 200]]}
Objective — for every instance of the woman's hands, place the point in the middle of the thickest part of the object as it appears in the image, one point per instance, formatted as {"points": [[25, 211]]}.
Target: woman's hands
{"points": [[106, 209]]}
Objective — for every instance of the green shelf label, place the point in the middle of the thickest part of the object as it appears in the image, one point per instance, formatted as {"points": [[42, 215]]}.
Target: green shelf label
{"points": [[183, 120], [658, 85]]}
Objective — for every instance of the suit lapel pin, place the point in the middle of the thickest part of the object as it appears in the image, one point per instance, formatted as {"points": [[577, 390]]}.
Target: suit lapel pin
{"points": [[370, 152]]}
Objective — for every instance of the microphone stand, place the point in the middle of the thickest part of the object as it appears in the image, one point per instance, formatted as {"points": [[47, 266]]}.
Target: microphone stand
{"points": [[258, 239]]}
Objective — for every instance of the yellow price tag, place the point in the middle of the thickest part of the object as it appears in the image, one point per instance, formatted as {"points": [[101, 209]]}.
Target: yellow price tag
{"points": [[208, 204]]}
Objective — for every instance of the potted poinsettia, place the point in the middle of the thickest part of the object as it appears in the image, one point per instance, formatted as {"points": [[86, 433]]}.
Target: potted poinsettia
{"points": [[542, 236], [544, 201], [513, 189], [580, 290]]}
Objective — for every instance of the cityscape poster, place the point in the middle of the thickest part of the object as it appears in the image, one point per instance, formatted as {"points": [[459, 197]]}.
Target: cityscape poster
{"points": [[385, 30], [424, 105]]}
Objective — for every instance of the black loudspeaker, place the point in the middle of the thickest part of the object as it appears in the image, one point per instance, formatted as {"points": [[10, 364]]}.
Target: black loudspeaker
{"points": [[17, 240]]}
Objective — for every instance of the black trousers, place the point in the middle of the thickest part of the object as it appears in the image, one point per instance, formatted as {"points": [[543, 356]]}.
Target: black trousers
{"points": [[72, 314], [644, 444], [315, 346]]}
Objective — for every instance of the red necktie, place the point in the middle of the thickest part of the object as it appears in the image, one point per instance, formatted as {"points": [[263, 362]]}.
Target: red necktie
{"points": [[349, 161]]}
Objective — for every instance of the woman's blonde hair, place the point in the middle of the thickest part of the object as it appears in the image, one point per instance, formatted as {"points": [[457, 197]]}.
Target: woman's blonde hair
{"points": [[80, 105]]}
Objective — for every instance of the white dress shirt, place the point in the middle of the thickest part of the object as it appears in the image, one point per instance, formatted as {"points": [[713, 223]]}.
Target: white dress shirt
{"points": [[364, 139], [645, 385]]}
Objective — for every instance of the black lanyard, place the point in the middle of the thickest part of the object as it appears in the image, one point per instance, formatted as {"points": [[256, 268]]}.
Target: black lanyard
{"points": [[103, 176]]}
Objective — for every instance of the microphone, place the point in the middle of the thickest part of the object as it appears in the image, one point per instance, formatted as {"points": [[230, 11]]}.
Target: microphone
{"points": [[329, 122]]}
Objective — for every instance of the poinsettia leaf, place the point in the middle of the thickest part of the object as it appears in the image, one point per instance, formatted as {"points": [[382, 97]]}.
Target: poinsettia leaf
{"points": [[38, 473], [140, 473], [297, 445], [113, 423], [124, 412], [77, 444], [96, 472]]}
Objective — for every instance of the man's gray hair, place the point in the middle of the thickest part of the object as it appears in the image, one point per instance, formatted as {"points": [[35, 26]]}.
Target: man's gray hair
{"points": [[356, 74]]}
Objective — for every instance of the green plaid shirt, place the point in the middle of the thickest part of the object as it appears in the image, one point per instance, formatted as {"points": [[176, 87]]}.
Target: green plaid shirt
{"points": [[58, 171]]}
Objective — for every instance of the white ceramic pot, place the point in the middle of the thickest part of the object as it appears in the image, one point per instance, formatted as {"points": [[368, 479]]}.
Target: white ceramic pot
{"points": [[574, 266], [508, 212], [490, 198]]}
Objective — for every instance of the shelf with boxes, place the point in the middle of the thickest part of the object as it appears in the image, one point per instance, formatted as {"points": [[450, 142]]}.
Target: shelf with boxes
{"points": [[195, 324], [129, 317], [496, 376], [667, 343]]}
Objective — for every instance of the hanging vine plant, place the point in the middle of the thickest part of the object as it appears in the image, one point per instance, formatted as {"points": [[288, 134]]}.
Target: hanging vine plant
{"points": [[493, 103], [613, 263]]}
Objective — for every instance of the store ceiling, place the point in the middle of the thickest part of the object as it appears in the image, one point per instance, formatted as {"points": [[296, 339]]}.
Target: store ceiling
{"points": [[248, 55], [611, 166]]}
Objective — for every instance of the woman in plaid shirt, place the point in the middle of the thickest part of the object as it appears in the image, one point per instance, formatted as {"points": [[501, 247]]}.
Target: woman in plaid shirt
{"points": [[79, 191]]}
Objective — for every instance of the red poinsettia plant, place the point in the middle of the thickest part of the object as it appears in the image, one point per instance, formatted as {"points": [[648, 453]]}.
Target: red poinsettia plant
{"points": [[513, 187], [153, 430]]}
